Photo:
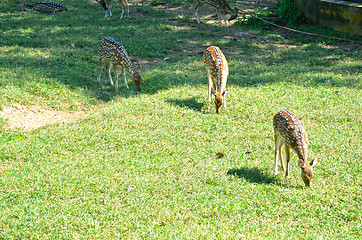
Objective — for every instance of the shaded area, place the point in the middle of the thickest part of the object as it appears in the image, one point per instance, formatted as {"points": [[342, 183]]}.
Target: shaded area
{"points": [[190, 103], [63, 49], [252, 175]]}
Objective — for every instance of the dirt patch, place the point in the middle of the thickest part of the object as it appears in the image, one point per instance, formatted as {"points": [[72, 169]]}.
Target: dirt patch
{"points": [[28, 118]]}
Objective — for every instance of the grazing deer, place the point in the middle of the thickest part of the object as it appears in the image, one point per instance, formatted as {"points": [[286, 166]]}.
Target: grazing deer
{"points": [[107, 5], [44, 7], [117, 56], [222, 8], [289, 131], [217, 72]]}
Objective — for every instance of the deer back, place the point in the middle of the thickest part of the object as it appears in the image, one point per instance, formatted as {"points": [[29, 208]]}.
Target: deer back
{"points": [[221, 5], [216, 62], [113, 51], [287, 125], [46, 7]]}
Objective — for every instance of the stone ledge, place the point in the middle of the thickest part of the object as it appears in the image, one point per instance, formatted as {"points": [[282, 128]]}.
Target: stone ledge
{"points": [[341, 16]]}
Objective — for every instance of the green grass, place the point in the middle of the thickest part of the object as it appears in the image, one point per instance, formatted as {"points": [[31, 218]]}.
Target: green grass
{"points": [[144, 165]]}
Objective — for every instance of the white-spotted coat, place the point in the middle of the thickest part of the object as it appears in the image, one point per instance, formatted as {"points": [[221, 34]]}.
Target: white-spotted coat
{"points": [[117, 56], [45, 7], [107, 5], [289, 131], [222, 8], [217, 72]]}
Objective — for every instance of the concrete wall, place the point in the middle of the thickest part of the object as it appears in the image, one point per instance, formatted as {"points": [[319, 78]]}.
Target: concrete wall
{"points": [[339, 15]]}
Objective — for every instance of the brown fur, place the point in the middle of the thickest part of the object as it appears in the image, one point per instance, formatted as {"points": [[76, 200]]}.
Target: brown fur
{"points": [[217, 72], [44, 7], [222, 8], [117, 57], [107, 5], [289, 132]]}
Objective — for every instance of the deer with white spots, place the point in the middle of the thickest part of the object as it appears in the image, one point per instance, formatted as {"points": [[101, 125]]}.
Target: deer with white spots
{"points": [[289, 131], [222, 8], [107, 5], [44, 7], [117, 56], [217, 72]]}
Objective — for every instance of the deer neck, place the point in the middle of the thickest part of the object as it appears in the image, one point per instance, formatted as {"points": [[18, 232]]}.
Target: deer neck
{"points": [[129, 67], [125, 63]]}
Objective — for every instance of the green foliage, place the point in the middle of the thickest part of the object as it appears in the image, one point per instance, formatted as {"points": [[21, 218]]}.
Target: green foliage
{"points": [[287, 10], [253, 19]]}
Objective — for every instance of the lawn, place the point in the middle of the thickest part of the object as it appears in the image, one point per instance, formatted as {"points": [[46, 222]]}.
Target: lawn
{"points": [[160, 163]]}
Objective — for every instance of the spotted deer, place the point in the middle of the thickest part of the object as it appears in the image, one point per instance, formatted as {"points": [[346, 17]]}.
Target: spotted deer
{"points": [[289, 131], [117, 56], [107, 5], [44, 7], [222, 8], [217, 72]]}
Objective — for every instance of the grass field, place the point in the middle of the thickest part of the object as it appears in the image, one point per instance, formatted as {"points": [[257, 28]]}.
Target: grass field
{"points": [[145, 165]]}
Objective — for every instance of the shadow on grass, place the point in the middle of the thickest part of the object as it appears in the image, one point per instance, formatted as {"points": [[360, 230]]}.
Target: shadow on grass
{"points": [[64, 48], [252, 175], [190, 103], [260, 176]]}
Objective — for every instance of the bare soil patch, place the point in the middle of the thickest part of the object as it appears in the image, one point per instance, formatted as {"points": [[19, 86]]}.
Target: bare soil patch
{"points": [[28, 118]]}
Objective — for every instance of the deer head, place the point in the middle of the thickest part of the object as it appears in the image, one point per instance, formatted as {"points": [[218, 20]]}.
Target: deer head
{"points": [[219, 99], [233, 14], [307, 171], [137, 79]]}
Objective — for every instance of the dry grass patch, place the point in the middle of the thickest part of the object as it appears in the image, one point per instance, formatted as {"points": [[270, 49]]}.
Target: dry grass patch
{"points": [[28, 118]]}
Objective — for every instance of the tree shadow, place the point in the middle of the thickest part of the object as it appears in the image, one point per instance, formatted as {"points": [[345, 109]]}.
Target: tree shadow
{"points": [[252, 175], [190, 103], [57, 55]]}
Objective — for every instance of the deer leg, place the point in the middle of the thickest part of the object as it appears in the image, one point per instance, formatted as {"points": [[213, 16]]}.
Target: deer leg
{"points": [[110, 8], [221, 16], [287, 156], [281, 156], [116, 74], [208, 73], [218, 15], [101, 63], [124, 7], [125, 77], [277, 154], [109, 65], [197, 11], [127, 7]]}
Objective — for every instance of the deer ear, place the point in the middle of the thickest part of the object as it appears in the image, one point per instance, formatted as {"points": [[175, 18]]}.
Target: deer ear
{"points": [[301, 164], [138, 65], [225, 92], [313, 162], [213, 92]]}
